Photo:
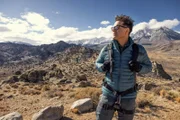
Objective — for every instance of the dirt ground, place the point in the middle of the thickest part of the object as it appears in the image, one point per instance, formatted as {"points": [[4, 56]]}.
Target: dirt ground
{"points": [[28, 99]]}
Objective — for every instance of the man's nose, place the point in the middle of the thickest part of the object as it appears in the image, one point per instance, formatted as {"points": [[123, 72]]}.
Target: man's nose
{"points": [[113, 29]]}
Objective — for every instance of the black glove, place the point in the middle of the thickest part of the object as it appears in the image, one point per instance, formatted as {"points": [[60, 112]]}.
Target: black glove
{"points": [[134, 66], [106, 66]]}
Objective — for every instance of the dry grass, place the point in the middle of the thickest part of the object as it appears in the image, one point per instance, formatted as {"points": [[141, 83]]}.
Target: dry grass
{"points": [[8, 86], [145, 100], [30, 92], [88, 92], [162, 92], [54, 92], [76, 111], [1, 96], [6, 90], [170, 94], [14, 85], [169, 63], [26, 89], [45, 88], [38, 87], [144, 103], [177, 99]]}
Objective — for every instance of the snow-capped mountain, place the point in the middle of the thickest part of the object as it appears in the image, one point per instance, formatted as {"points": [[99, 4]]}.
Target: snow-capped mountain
{"points": [[142, 36], [94, 41], [161, 35], [142, 33], [164, 34]]}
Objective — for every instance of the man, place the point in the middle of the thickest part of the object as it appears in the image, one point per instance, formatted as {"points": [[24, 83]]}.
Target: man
{"points": [[120, 65]]}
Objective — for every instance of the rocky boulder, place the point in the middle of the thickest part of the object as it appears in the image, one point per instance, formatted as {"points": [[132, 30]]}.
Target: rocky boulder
{"points": [[49, 113], [12, 116], [82, 105]]}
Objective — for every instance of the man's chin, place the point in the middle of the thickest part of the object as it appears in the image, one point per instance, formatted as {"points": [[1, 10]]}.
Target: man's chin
{"points": [[114, 37]]}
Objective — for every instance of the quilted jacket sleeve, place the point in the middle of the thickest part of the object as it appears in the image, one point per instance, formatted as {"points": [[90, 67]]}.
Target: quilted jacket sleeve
{"points": [[144, 61], [100, 60]]}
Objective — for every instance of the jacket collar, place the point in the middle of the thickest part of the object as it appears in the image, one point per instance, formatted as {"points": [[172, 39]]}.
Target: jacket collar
{"points": [[128, 44]]}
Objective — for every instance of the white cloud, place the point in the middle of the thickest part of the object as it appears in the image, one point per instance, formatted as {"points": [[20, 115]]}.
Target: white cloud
{"points": [[35, 19], [93, 33], [4, 29], [154, 24], [3, 19], [34, 28], [105, 22]]}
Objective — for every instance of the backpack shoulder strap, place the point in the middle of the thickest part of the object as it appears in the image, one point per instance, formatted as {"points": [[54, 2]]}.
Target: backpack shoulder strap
{"points": [[134, 58], [110, 51], [135, 52], [110, 54]]}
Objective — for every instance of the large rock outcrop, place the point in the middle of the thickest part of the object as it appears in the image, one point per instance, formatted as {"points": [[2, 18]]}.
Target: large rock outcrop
{"points": [[158, 70]]}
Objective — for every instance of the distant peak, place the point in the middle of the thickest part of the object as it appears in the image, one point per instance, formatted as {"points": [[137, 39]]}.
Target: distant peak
{"points": [[18, 42], [163, 28]]}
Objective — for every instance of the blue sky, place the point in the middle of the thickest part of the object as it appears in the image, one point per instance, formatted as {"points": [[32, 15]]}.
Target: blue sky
{"points": [[80, 17]]}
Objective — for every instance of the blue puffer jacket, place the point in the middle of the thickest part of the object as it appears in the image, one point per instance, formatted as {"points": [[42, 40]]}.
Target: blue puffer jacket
{"points": [[123, 77]]}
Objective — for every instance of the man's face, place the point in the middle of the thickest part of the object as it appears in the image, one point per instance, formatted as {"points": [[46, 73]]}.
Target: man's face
{"points": [[120, 30]]}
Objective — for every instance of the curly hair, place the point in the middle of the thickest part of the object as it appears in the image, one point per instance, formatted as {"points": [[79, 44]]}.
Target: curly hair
{"points": [[127, 21]]}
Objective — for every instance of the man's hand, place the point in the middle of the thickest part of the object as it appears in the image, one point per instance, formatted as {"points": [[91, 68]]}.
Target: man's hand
{"points": [[134, 66], [106, 66]]}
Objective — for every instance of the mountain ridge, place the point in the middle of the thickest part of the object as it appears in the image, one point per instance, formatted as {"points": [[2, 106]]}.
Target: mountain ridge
{"points": [[13, 52]]}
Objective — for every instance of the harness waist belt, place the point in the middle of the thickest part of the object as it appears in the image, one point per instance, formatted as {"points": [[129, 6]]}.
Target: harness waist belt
{"points": [[124, 111], [123, 93]]}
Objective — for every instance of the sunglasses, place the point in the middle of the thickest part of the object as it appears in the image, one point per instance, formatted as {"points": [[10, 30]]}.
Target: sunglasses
{"points": [[117, 27]]}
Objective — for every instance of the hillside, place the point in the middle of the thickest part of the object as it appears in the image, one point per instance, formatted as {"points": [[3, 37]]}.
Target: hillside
{"points": [[70, 75], [13, 53]]}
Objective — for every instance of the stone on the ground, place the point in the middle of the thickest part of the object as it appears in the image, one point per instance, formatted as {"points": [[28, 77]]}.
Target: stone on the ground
{"points": [[83, 105], [12, 116], [49, 113]]}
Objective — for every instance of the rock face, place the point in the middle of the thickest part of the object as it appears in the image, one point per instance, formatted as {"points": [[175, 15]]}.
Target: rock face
{"points": [[12, 116], [36, 75], [83, 105], [49, 113], [159, 71]]}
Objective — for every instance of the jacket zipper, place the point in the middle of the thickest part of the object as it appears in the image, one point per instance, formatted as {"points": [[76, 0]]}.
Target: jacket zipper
{"points": [[119, 71]]}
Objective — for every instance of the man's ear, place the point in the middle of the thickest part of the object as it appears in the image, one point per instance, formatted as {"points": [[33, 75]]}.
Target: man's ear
{"points": [[127, 31]]}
